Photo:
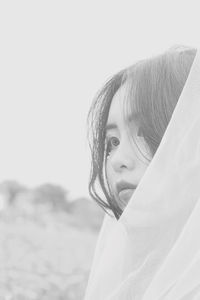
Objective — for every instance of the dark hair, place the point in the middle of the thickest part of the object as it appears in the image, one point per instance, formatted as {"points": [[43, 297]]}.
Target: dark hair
{"points": [[153, 89]]}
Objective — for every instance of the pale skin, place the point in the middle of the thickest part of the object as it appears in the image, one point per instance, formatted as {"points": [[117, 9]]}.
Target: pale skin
{"points": [[125, 164]]}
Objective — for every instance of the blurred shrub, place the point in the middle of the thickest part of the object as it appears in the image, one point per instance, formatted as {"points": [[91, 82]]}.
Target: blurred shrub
{"points": [[46, 256], [52, 195], [10, 189], [50, 200]]}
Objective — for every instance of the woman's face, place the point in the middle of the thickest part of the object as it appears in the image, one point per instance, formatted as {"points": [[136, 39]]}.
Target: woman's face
{"points": [[125, 164]]}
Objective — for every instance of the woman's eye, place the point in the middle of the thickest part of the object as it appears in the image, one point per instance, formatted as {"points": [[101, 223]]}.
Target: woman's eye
{"points": [[112, 143]]}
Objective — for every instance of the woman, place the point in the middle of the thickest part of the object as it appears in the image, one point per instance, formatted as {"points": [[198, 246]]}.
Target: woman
{"points": [[145, 126]]}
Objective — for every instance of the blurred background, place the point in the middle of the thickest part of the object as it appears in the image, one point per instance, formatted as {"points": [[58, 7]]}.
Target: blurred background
{"points": [[54, 56]]}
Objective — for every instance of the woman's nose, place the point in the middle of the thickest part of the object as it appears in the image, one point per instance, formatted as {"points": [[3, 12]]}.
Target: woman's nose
{"points": [[123, 157]]}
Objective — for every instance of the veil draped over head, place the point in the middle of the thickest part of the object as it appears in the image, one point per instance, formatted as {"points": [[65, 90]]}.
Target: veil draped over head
{"points": [[153, 251]]}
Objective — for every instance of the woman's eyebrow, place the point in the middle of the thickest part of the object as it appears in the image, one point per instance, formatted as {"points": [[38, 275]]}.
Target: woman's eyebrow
{"points": [[111, 126]]}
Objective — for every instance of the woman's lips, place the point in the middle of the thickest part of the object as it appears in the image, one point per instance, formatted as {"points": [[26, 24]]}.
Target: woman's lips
{"points": [[125, 194], [125, 190]]}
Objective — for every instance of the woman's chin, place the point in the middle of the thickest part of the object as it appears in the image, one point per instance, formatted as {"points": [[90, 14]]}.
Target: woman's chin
{"points": [[124, 197]]}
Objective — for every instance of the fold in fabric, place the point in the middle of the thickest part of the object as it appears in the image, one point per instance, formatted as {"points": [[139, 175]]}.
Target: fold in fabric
{"points": [[153, 251]]}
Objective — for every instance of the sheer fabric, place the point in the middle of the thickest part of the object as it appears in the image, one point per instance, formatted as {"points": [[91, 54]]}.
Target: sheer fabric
{"points": [[153, 251]]}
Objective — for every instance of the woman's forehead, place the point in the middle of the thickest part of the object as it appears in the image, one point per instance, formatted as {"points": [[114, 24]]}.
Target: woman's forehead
{"points": [[121, 108]]}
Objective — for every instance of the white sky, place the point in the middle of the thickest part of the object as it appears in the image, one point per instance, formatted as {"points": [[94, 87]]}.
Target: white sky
{"points": [[54, 56]]}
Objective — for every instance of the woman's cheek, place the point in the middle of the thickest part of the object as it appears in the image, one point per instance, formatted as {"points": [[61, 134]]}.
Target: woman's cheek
{"points": [[110, 175]]}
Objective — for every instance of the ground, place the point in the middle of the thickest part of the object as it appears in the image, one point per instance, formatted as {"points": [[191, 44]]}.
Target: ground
{"points": [[44, 257]]}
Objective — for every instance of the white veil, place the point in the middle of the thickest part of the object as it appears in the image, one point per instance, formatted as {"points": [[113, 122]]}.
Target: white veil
{"points": [[153, 251]]}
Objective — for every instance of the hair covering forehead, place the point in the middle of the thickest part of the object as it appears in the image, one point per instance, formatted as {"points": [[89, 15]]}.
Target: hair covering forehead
{"points": [[153, 251]]}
